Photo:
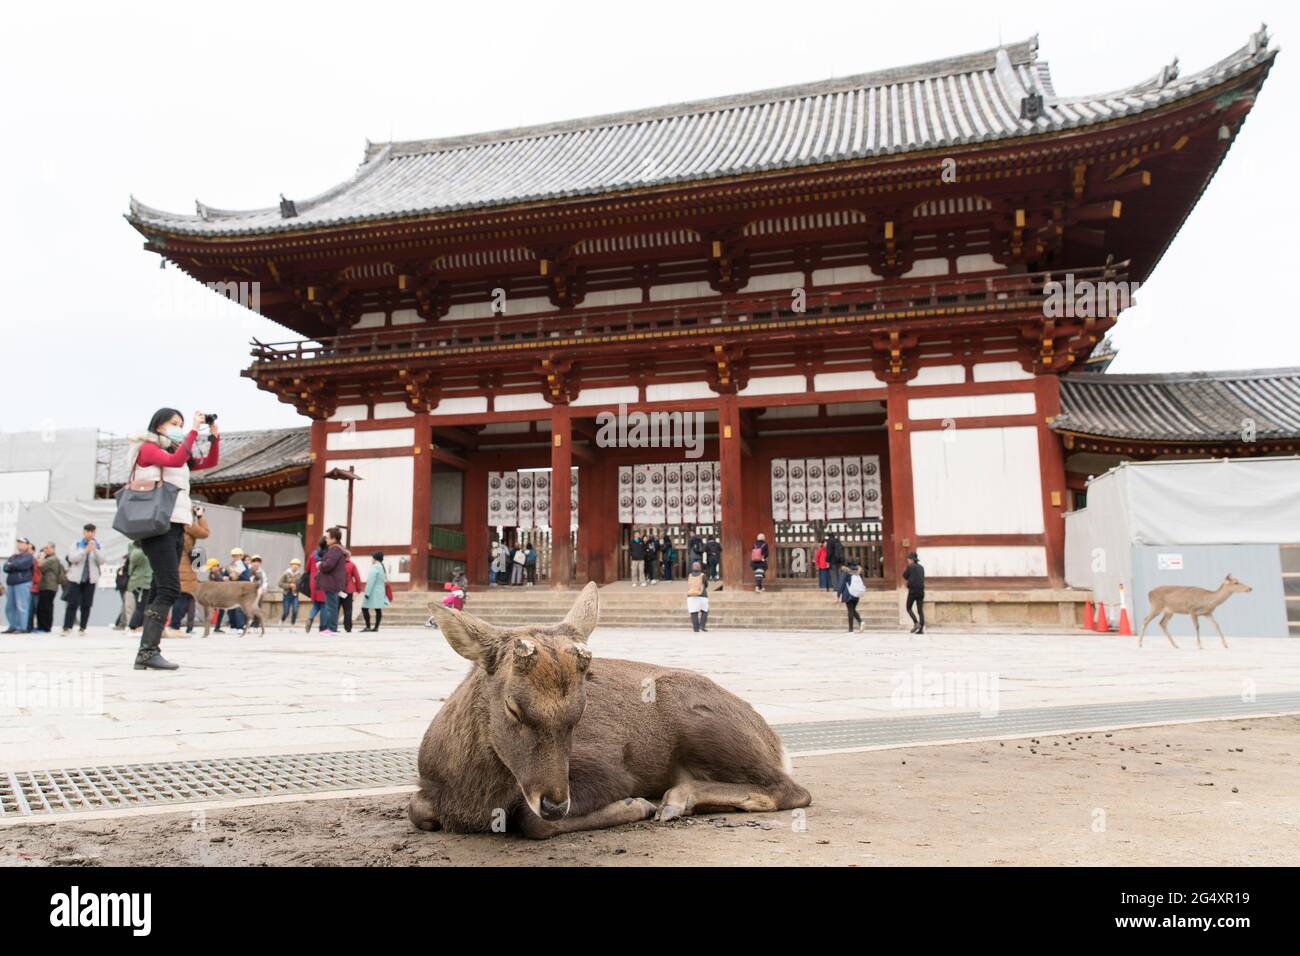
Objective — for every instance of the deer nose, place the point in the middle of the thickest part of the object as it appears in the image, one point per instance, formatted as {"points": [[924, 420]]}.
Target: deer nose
{"points": [[552, 810]]}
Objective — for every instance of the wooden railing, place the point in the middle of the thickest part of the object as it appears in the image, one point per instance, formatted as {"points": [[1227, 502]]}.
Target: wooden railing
{"points": [[880, 300]]}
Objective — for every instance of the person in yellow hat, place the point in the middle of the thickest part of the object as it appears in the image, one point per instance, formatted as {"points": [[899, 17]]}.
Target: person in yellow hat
{"points": [[288, 585]]}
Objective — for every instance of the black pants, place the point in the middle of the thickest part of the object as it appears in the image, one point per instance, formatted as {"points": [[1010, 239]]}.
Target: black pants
{"points": [[45, 610], [164, 554], [650, 565], [713, 568], [915, 598], [81, 595], [379, 617], [852, 604], [183, 608], [345, 604], [531, 569]]}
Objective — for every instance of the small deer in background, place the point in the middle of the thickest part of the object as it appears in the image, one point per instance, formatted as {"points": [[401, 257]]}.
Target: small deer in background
{"points": [[1197, 602]]}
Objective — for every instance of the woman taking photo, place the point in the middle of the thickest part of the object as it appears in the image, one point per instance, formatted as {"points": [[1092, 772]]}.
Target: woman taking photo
{"points": [[164, 453]]}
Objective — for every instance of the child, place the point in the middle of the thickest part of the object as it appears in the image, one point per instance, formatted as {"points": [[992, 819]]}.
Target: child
{"points": [[697, 597]]}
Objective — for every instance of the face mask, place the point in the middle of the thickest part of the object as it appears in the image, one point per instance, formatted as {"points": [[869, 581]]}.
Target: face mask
{"points": [[174, 435]]}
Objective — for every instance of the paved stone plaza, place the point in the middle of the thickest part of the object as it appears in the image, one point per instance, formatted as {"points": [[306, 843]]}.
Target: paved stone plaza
{"points": [[289, 692]]}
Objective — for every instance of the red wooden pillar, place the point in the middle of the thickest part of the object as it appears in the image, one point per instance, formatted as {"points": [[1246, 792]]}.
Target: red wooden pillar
{"points": [[316, 486], [901, 500], [1051, 457], [561, 484], [735, 550], [474, 520], [421, 491]]}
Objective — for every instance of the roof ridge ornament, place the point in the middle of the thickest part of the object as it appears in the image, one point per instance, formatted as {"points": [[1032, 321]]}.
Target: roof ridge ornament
{"points": [[1259, 41], [1169, 74], [288, 208]]}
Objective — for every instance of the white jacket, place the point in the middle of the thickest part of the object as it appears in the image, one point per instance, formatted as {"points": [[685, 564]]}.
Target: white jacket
{"points": [[178, 477]]}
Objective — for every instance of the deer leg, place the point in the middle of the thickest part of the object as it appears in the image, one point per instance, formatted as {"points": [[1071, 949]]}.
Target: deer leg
{"points": [[690, 795], [1196, 623], [1164, 619], [207, 619], [1143, 632], [628, 810], [1219, 629]]}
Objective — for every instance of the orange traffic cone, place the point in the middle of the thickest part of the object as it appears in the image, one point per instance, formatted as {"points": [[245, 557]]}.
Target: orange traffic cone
{"points": [[1124, 629], [1103, 622], [1088, 622]]}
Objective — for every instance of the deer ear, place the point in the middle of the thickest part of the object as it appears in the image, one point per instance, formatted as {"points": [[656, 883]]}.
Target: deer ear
{"points": [[468, 636], [585, 611]]}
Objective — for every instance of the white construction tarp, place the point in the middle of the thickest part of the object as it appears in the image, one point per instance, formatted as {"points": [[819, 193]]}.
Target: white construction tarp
{"points": [[1211, 502]]}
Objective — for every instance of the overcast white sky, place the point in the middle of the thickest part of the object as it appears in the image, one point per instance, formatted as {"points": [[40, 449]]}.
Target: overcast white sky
{"points": [[234, 103]]}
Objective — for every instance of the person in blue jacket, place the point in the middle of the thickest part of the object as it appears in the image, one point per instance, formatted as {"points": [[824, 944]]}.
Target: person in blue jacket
{"points": [[18, 587]]}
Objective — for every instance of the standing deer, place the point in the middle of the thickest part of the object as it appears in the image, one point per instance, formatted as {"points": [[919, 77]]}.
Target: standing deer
{"points": [[1194, 601], [542, 736]]}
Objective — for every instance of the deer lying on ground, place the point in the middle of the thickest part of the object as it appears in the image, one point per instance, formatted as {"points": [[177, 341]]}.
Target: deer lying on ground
{"points": [[224, 595], [544, 737], [1198, 602]]}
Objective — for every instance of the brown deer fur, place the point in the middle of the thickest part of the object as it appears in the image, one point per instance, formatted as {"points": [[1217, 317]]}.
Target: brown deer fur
{"points": [[223, 595], [1198, 602], [546, 739]]}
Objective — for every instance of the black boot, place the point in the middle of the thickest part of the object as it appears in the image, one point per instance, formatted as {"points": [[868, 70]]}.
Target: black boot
{"points": [[704, 620], [695, 621], [148, 657]]}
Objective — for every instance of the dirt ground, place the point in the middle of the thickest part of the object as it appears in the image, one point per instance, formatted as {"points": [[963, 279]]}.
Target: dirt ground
{"points": [[1194, 794]]}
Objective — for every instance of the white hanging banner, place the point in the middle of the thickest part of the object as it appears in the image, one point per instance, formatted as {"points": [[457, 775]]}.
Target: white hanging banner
{"points": [[704, 481], [853, 487], [542, 499], [872, 496], [798, 490], [690, 493], [496, 500], [816, 475], [716, 468], [573, 498], [526, 501], [510, 499], [834, 489], [780, 490], [624, 494], [673, 492], [658, 496], [641, 494]]}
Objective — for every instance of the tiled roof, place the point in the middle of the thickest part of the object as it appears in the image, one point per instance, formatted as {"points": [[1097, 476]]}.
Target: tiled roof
{"points": [[244, 455], [1196, 406], [974, 98]]}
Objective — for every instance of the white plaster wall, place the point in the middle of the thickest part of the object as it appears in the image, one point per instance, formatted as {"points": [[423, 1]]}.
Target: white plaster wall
{"points": [[940, 375], [608, 297], [844, 275], [519, 402], [406, 317], [350, 413], [607, 396], [833, 381], [249, 499], [927, 267], [983, 262], [977, 481], [775, 385], [1000, 372], [985, 562], [380, 438], [782, 281], [680, 290], [291, 496], [381, 504], [971, 406], [393, 410], [461, 406], [369, 320], [677, 391]]}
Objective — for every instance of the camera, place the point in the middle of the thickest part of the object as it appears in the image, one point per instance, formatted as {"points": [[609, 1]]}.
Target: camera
{"points": [[209, 419]]}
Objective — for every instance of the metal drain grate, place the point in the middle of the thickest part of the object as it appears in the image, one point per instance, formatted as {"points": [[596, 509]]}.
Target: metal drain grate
{"points": [[47, 792], [39, 792]]}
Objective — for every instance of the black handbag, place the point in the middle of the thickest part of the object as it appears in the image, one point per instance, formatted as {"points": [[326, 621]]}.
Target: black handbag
{"points": [[144, 508]]}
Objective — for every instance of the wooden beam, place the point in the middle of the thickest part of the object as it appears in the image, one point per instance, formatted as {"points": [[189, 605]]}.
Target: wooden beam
{"points": [[448, 458]]}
